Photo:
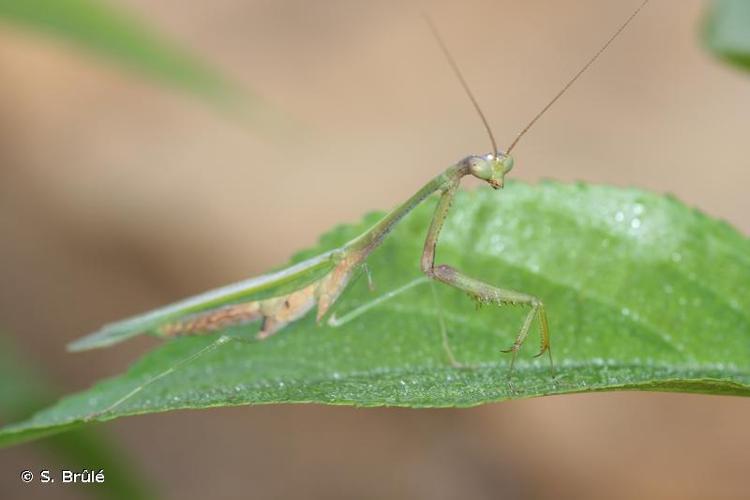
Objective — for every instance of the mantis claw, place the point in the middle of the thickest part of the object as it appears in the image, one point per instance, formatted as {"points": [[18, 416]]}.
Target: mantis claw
{"points": [[544, 349]]}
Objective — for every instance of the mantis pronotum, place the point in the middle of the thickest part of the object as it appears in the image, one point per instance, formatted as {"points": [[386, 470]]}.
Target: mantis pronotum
{"points": [[321, 280]]}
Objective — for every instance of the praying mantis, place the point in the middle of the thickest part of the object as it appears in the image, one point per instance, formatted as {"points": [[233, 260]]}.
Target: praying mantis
{"points": [[291, 293]]}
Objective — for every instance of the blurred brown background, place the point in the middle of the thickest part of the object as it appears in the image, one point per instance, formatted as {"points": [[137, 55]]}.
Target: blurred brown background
{"points": [[117, 195]]}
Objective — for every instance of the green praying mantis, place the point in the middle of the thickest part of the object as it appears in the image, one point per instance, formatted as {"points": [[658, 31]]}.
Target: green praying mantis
{"points": [[291, 293]]}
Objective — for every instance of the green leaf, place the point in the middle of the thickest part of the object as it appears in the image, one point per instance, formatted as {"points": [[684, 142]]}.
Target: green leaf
{"points": [[642, 293], [119, 37], [727, 31]]}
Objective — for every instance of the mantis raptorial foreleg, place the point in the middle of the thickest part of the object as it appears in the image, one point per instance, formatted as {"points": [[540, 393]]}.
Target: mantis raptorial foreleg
{"points": [[479, 290]]}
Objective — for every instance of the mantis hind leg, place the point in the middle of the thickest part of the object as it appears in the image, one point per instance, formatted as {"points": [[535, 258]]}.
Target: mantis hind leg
{"points": [[154, 378], [335, 321]]}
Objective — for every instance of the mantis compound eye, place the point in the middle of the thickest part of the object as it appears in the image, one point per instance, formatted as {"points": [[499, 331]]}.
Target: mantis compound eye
{"points": [[507, 162], [480, 167]]}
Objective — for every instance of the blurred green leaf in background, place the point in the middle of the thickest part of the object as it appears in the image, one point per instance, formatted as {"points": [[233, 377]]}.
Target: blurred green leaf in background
{"points": [[642, 293], [727, 31], [120, 37]]}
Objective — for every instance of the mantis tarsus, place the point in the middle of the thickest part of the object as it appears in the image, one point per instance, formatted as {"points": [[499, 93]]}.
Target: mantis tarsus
{"points": [[332, 271]]}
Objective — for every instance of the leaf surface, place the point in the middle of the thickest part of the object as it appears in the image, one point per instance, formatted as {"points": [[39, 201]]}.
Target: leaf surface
{"points": [[642, 293]]}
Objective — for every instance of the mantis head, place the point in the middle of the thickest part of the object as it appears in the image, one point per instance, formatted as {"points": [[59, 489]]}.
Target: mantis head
{"points": [[490, 168]]}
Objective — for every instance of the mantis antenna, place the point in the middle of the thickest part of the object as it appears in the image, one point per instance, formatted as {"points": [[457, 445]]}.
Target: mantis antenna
{"points": [[460, 76], [576, 76], [462, 80]]}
